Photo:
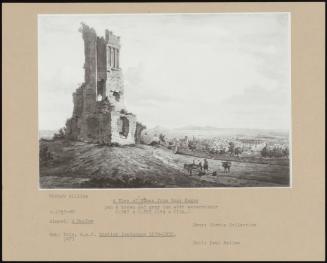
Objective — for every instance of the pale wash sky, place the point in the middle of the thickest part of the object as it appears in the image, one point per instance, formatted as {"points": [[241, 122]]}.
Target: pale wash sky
{"points": [[223, 70]]}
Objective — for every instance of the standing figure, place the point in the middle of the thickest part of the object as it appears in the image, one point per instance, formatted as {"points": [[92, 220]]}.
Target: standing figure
{"points": [[205, 165], [200, 165], [226, 166]]}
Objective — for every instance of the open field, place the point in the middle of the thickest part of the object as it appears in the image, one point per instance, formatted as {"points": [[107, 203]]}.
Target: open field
{"points": [[82, 165]]}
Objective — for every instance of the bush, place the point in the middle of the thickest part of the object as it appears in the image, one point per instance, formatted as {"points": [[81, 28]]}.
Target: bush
{"points": [[162, 137], [237, 151], [274, 152], [45, 154], [192, 145], [60, 134]]}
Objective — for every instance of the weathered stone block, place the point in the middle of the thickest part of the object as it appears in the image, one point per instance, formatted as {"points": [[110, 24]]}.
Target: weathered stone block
{"points": [[117, 128], [115, 89]]}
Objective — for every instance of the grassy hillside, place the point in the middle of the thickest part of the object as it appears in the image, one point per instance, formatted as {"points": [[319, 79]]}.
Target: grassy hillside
{"points": [[77, 164], [83, 165]]}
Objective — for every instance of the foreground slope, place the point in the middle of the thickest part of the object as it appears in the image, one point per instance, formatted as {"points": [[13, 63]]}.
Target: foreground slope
{"points": [[77, 164], [83, 165]]}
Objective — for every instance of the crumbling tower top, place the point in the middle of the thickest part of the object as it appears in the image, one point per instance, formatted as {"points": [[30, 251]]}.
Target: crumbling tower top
{"points": [[113, 49], [111, 39], [99, 113]]}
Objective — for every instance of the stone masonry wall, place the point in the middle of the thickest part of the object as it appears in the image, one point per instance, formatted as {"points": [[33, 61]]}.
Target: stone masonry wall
{"points": [[78, 100], [115, 89], [115, 136], [138, 131], [101, 66], [90, 67], [104, 121]]}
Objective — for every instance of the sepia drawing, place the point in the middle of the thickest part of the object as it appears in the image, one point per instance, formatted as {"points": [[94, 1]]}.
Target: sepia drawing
{"points": [[189, 100]]}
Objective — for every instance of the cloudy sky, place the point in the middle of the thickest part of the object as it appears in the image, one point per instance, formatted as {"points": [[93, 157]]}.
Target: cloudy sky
{"points": [[222, 70]]}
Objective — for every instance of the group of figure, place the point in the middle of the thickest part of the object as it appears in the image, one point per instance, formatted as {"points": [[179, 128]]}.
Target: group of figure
{"points": [[226, 166], [204, 167]]}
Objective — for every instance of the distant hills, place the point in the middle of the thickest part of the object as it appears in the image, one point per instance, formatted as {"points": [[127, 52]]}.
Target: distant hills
{"points": [[209, 132], [46, 134], [199, 132]]}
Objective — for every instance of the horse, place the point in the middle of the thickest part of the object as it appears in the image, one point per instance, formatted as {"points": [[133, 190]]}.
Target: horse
{"points": [[190, 167], [226, 166]]}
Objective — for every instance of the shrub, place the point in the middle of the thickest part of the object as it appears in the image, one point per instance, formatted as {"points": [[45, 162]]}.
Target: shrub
{"points": [[60, 134], [45, 154]]}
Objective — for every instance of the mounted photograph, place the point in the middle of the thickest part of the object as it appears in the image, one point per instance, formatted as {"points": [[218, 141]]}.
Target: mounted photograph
{"points": [[198, 100]]}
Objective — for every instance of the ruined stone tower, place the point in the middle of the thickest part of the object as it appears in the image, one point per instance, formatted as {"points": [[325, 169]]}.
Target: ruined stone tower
{"points": [[99, 113]]}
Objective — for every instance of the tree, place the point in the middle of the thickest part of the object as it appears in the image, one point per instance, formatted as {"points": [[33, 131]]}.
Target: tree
{"points": [[162, 137], [286, 152], [264, 151], [192, 145], [61, 134], [237, 151], [222, 151], [45, 154], [231, 148]]}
